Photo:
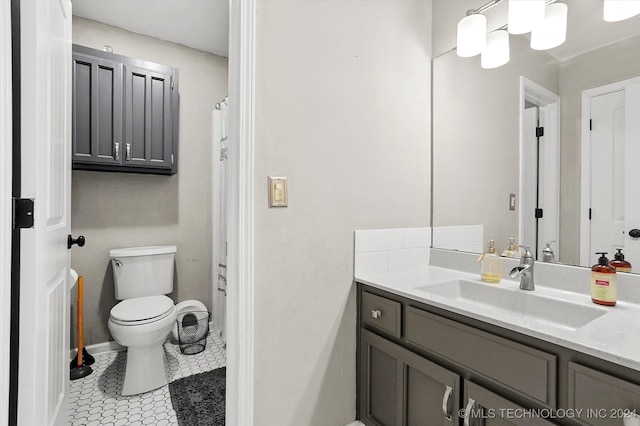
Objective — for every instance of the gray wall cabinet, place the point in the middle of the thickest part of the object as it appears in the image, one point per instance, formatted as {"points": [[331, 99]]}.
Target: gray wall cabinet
{"points": [[125, 113], [419, 365]]}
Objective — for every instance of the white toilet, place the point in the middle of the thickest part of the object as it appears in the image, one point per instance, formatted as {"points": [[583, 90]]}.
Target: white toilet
{"points": [[144, 317]]}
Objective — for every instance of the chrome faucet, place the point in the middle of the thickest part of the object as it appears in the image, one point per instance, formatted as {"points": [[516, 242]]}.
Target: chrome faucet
{"points": [[525, 271]]}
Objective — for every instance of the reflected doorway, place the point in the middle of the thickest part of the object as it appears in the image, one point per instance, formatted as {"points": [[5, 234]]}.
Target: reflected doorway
{"points": [[538, 216]]}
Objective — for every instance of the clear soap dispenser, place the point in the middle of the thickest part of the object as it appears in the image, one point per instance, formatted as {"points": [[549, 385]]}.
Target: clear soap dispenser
{"points": [[512, 249], [491, 269]]}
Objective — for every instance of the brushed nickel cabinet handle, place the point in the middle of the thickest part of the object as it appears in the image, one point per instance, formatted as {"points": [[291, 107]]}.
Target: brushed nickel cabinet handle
{"points": [[467, 411], [376, 313], [446, 400], [116, 148], [128, 151]]}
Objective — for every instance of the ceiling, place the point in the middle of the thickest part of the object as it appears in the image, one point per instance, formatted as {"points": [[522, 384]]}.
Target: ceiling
{"points": [[200, 24]]}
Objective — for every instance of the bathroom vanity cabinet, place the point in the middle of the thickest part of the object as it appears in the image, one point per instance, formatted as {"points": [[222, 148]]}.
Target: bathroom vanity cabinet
{"points": [[125, 113], [423, 365]]}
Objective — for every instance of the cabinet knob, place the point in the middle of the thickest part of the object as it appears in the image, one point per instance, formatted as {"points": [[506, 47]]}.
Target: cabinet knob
{"points": [[446, 403], [376, 313], [634, 233]]}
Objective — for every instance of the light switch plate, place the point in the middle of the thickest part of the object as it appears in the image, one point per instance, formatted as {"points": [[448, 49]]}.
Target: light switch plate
{"points": [[277, 191]]}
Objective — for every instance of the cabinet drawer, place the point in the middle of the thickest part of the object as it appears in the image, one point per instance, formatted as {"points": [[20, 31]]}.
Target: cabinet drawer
{"points": [[601, 397], [527, 371], [381, 313]]}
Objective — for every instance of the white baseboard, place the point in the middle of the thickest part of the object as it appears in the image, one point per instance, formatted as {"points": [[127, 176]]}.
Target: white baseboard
{"points": [[356, 423], [112, 346]]}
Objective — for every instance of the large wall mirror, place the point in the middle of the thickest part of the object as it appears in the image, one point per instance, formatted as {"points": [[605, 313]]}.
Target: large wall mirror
{"points": [[493, 169]]}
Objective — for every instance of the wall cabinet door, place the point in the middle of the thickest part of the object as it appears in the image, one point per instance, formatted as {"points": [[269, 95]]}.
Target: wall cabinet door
{"points": [[484, 408], [125, 113], [97, 106], [400, 388], [148, 123]]}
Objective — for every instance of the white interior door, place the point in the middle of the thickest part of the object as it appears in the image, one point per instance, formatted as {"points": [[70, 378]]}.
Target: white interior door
{"points": [[607, 173], [46, 171]]}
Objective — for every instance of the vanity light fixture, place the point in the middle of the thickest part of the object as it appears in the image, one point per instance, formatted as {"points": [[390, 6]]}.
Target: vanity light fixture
{"points": [[619, 10], [496, 53], [472, 34], [552, 31], [524, 15]]}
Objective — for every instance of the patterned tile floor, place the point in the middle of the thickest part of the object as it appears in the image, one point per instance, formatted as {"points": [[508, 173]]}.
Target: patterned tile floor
{"points": [[96, 399]]}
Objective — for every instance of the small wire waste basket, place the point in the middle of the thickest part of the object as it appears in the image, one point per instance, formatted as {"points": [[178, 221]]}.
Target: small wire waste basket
{"points": [[193, 328]]}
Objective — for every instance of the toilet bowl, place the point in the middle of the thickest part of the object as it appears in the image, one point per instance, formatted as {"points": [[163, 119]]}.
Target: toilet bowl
{"points": [[187, 306], [144, 316], [142, 325]]}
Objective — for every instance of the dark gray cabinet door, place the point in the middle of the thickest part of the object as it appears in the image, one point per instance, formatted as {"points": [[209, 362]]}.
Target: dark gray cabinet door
{"points": [[97, 110], [148, 116], [485, 408], [400, 388], [599, 398]]}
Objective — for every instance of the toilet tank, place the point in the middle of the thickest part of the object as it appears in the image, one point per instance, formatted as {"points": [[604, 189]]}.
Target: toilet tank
{"points": [[142, 271]]}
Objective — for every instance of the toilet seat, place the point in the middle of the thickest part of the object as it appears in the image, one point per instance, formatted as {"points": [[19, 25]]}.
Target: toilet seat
{"points": [[142, 310]]}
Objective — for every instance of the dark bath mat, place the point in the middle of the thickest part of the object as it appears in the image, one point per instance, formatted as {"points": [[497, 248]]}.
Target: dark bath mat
{"points": [[199, 399]]}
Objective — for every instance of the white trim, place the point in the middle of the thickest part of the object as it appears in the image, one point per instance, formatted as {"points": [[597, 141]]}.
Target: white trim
{"points": [[538, 95], [585, 161], [5, 205], [240, 349]]}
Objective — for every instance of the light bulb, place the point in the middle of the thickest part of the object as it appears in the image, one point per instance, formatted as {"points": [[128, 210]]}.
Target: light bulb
{"points": [[551, 32], [524, 15], [496, 53], [472, 35], [619, 10]]}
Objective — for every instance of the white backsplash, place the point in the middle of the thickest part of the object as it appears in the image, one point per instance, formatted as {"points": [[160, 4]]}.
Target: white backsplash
{"points": [[385, 250]]}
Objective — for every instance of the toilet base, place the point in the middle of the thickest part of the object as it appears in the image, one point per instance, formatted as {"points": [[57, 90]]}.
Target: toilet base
{"points": [[144, 370]]}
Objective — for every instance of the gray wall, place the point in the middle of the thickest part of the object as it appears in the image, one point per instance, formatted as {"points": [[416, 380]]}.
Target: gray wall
{"points": [[123, 210], [342, 110], [606, 65]]}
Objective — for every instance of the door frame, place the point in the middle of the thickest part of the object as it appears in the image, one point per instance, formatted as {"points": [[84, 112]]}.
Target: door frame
{"points": [[240, 349], [585, 161], [6, 170], [538, 95], [240, 213]]}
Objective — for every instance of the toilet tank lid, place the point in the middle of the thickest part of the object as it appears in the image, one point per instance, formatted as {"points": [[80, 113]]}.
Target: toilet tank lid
{"points": [[142, 251]]}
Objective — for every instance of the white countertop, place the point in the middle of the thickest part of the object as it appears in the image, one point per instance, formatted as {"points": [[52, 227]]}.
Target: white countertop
{"points": [[614, 336]]}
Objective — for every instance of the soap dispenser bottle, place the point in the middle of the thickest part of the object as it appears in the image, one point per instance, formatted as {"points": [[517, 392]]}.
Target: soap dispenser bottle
{"points": [[604, 286], [512, 249], [619, 263], [491, 270]]}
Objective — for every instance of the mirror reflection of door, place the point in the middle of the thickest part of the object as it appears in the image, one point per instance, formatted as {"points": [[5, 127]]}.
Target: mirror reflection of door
{"points": [[613, 136], [539, 168]]}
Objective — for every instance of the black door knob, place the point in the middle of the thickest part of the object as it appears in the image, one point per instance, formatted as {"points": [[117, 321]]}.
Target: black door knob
{"points": [[634, 233], [79, 241]]}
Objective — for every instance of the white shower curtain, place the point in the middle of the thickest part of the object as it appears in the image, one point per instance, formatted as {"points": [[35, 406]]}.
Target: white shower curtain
{"points": [[219, 198]]}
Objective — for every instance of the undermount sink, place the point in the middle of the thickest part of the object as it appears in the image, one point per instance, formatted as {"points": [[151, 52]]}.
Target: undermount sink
{"points": [[508, 302]]}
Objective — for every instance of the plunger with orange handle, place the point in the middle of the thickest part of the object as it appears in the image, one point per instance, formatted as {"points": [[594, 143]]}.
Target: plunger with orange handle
{"points": [[80, 370]]}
